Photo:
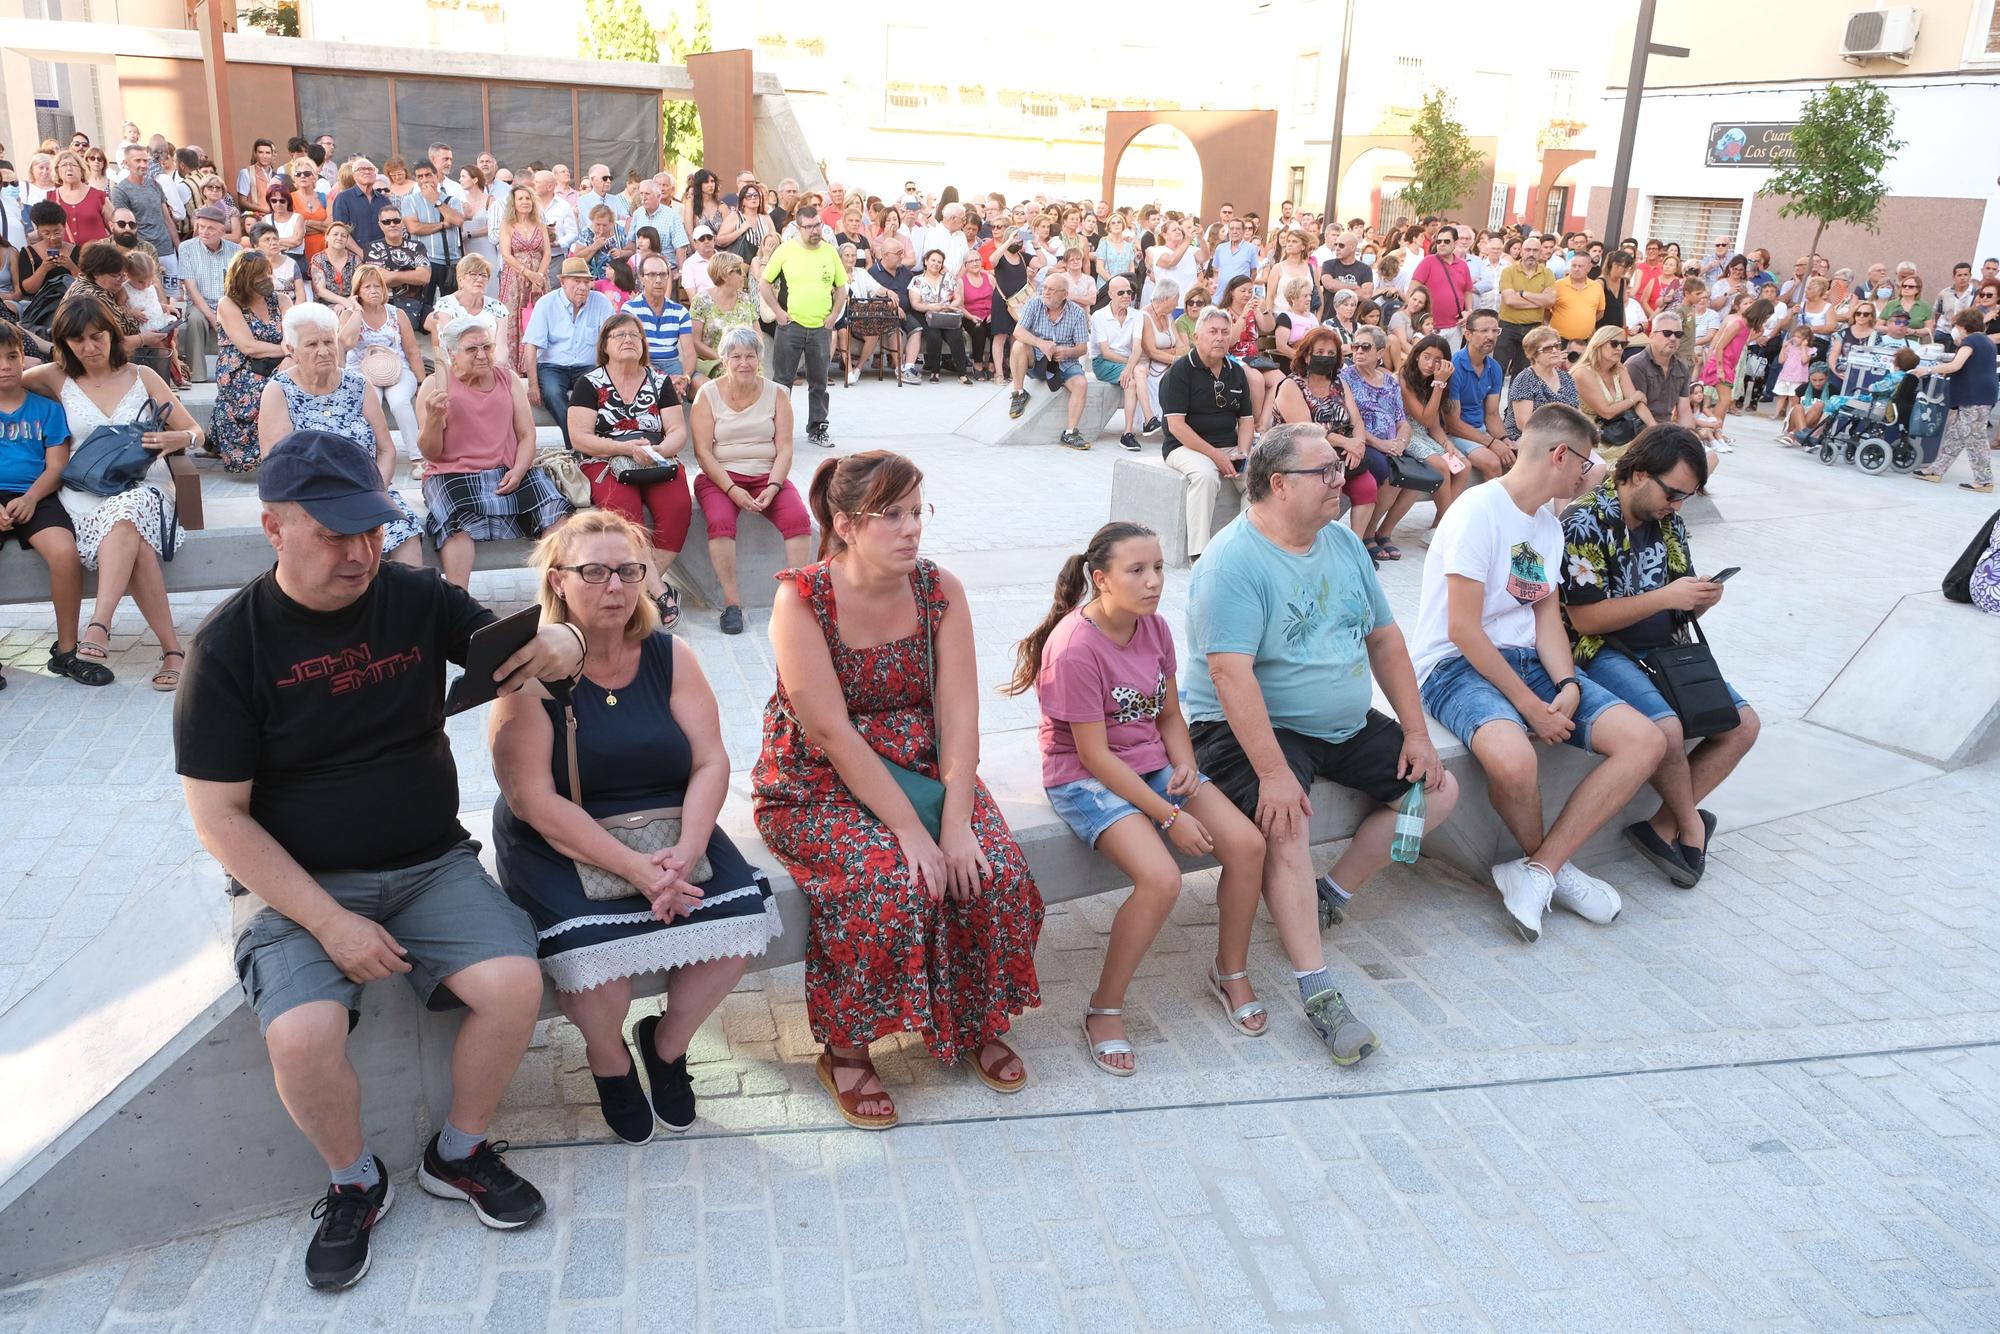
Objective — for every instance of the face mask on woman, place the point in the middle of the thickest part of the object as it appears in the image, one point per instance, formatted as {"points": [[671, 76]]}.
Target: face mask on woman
{"points": [[1324, 367]]}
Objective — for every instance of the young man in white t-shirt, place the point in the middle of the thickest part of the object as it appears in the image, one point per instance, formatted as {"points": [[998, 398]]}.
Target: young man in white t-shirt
{"points": [[1494, 663]]}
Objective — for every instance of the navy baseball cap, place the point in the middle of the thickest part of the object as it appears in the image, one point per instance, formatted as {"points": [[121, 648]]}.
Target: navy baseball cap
{"points": [[332, 477]]}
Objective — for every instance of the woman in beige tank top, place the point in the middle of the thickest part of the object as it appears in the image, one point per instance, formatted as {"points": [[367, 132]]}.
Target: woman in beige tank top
{"points": [[742, 427]]}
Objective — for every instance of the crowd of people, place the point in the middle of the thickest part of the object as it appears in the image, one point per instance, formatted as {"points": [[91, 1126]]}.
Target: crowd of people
{"points": [[1299, 363]]}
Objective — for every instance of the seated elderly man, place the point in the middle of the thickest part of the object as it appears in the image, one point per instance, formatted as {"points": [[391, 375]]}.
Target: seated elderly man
{"points": [[1205, 399], [308, 738], [1629, 587], [1052, 336], [1287, 618], [478, 442]]}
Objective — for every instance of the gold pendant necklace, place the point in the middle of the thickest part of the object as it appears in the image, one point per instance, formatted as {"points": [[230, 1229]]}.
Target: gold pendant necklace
{"points": [[611, 698]]}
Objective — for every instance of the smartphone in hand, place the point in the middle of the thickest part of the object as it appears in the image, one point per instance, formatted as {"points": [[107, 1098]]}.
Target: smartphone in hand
{"points": [[1724, 576]]}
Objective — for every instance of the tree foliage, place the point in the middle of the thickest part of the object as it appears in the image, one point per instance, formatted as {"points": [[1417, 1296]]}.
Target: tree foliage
{"points": [[1844, 141], [680, 135], [1445, 164], [620, 30]]}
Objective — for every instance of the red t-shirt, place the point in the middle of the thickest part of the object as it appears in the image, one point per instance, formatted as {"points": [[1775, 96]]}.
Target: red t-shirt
{"points": [[1449, 282]]}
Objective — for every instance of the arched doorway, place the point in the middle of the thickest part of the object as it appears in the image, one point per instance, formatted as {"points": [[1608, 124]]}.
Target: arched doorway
{"points": [[1159, 166], [1372, 187]]}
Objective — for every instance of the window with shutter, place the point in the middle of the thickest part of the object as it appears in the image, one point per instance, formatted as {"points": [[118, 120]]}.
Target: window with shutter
{"points": [[1695, 224]]}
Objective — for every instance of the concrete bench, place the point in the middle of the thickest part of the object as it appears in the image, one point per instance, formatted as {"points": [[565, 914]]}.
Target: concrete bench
{"points": [[1145, 490], [1880, 696], [1042, 421]]}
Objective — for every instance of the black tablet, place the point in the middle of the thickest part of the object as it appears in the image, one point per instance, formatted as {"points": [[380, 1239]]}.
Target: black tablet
{"points": [[491, 645]]}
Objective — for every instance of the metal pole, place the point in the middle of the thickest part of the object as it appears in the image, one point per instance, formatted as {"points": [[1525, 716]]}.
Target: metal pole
{"points": [[1628, 129], [1340, 112]]}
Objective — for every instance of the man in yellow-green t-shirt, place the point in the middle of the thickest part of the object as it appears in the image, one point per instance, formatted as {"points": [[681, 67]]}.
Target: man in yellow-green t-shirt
{"points": [[1527, 291], [815, 293]]}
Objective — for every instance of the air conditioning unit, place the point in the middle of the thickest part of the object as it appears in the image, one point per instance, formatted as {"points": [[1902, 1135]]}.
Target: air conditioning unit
{"points": [[1881, 34]]}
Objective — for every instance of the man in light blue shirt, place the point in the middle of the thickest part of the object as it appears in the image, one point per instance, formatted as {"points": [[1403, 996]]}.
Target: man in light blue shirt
{"points": [[1234, 257], [1286, 624], [663, 218], [600, 192], [560, 346]]}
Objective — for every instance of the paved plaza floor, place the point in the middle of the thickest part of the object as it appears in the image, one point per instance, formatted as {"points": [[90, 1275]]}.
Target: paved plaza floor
{"points": [[1769, 1103]]}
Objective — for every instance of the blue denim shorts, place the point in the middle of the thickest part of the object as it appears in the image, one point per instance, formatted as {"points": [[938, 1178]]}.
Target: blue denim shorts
{"points": [[1617, 672], [1459, 697], [1089, 808]]}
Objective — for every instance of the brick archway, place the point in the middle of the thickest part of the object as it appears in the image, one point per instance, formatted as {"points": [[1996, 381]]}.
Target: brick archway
{"points": [[1236, 149]]}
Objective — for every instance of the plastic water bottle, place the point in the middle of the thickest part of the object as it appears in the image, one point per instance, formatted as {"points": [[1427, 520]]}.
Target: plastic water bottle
{"points": [[1409, 835]]}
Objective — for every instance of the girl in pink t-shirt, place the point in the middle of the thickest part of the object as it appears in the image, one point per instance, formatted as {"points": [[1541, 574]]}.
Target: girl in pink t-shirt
{"points": [[1119, 769]]}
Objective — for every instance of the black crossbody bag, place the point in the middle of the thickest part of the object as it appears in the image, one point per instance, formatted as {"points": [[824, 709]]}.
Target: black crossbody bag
{"points": [[1686, 676]]}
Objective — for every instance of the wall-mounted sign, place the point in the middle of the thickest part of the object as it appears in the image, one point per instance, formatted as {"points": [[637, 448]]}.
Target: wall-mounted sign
{"points": [[1754, 144]]}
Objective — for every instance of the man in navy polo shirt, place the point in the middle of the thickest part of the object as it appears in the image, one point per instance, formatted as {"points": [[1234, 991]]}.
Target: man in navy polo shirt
{"points": [[1472, 408], [361, 205]]}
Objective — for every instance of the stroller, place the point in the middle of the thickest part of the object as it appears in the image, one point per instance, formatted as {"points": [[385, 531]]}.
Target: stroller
{"points": [[1864, 425]]}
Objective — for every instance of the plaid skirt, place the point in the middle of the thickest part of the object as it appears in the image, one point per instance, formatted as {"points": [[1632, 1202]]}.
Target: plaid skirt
{"points": [[471, 503]]}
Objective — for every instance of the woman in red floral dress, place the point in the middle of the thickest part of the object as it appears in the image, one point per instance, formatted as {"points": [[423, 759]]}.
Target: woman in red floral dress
{"points": [[909, 933]]}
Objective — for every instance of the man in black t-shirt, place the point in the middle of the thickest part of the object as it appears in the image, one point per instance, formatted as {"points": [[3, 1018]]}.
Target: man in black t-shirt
{"points": [[1205, 397], [309, 736], [1345, 273]]}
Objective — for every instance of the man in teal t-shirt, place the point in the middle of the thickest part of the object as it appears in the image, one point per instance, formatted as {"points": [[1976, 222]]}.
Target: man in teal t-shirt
{"points": [[1285, 614]]}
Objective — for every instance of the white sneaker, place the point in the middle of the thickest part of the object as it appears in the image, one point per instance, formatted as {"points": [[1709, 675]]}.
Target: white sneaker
{"points": [[1586, 896], [1722, 445], [1526, 890], [853, 375]]}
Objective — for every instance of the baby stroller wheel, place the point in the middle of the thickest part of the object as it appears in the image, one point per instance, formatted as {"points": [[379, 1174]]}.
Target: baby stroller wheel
{"points": [[1872, 456], [1904, 455], [1826, 452]]}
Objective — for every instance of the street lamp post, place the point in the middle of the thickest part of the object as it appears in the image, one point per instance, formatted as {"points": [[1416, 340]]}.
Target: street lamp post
{"points": [[1339, 113], [1628, 128]]}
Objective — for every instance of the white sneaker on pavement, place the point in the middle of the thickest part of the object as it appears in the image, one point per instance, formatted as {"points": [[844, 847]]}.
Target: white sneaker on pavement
{"points": [[1525, 889], [1586, 896]]}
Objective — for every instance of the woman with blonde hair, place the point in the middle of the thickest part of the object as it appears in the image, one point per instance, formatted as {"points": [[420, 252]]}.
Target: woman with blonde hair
{"points": [[523, 239], [39, 182], [333, 268], [638, 736], [86, 209], [730, 304], [473, 297]]}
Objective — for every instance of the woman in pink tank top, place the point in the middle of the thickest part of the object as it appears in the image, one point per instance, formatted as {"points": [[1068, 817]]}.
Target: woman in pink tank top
{"points": [[478, 442]]}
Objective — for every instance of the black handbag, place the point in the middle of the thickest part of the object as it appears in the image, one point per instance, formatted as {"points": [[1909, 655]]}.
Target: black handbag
{"points": [[1686, 676], [1958, 579], [1622, 429], [1410, 474], [945, 319], [263, 365]]}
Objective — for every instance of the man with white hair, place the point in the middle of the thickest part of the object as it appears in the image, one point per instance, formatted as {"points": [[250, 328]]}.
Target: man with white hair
{"points": [[556, 211], [949, 236], [1052, 335], [1205, 400], [597, 190], [361, 206], [654, 211], [788, 203]]}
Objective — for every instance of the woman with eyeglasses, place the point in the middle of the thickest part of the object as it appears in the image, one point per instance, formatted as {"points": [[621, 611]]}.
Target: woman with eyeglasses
{"points": [[923, 913], [481, 483], [1375, 406], [1545, 379], [1861, 331], [86, 208], [637, 735]]}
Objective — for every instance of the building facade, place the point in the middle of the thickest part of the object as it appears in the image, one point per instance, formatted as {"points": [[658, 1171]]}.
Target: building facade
{"points": [[1710, 123]]}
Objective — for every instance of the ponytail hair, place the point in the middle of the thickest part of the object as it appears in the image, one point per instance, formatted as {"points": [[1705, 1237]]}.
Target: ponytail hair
{"points": [[1072, 584], [856, 484]]}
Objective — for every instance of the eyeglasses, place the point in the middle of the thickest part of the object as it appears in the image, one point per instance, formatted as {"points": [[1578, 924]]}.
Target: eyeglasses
{"points": [[392, 222], [1225, 397], [1329, 474], [1674, 497], [895, 514], [631, 572], [1668, 333], [1619, 344], [1909, 287], [476, 349]]}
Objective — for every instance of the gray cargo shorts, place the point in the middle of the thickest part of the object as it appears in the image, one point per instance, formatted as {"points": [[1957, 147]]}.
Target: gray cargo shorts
{"points": [[446, 913]]}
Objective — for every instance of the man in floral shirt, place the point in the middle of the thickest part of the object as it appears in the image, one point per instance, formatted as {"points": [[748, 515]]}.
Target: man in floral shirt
{"points": [[1628, 583]]}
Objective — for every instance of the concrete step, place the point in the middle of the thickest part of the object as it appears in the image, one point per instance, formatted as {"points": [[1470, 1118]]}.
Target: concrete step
{"points": [[1892, 694]]}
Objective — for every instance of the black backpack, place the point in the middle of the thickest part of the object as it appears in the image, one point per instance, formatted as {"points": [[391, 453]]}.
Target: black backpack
{"points": [[1958, 579]]}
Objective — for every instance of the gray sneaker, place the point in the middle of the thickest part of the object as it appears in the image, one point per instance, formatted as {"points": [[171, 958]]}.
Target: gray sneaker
{"points": [[1347, 1038]]}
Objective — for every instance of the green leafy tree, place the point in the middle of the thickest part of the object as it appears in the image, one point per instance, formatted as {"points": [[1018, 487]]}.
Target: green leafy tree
{"points": [[617, 30], [1844, 140], [1444, 162], [680, 131]]}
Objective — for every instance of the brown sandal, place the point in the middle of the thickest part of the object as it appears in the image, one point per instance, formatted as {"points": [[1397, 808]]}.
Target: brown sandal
{"points": [[985, 1069], [94, 652], [847, 1102], [167, 679]]}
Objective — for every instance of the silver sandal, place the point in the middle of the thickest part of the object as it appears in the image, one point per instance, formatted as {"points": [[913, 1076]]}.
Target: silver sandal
{"points": [[1240, 1015], [1108, 1047]]}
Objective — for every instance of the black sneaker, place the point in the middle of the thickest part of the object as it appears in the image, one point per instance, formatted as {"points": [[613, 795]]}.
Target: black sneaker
{"points": [[1669, 859], [337, 1256], [1072, 440], [732, 620], [1130, 441], [1153, 426], [673, 1091], [821, 435], [1697, 858], [1017, 403], [499, 1195], [622, 1100]]}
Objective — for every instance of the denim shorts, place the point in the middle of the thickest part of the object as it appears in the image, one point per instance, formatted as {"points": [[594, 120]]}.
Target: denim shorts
{"points": [[1089, 808], [1617, 672], [1459, 697]]}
